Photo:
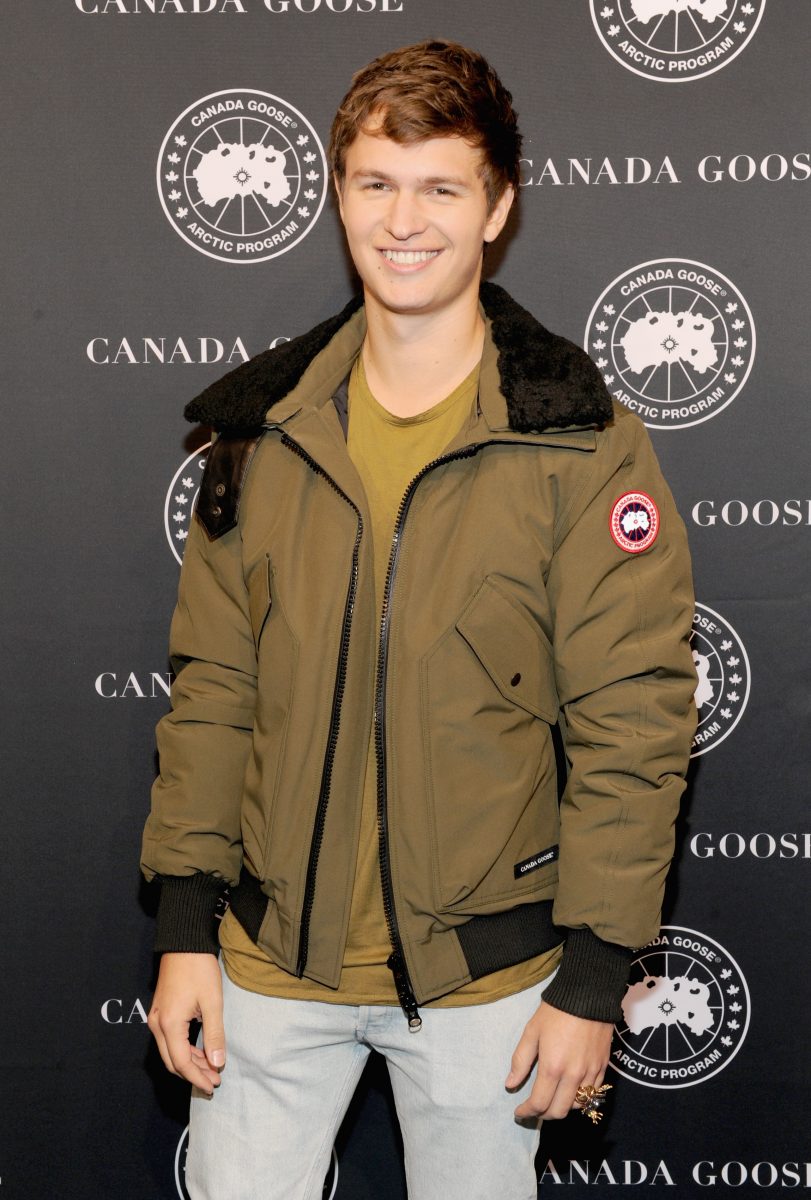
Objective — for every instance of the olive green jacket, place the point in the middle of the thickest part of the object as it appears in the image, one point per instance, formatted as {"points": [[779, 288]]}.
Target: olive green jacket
{"points": [[509, 607]]}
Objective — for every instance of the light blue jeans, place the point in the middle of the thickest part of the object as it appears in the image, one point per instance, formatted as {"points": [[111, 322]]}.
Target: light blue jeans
{"points": [[292, 1066]]}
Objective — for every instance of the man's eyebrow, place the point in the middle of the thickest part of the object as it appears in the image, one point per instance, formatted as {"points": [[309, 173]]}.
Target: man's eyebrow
{"points": [[431, 180]]}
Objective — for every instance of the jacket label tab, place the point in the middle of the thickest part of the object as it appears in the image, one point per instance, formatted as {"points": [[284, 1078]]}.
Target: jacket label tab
{"points": [[538, 860]]}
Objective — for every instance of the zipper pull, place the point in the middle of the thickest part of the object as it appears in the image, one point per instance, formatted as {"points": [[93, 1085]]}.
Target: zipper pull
{"points": [[408, 1001]]}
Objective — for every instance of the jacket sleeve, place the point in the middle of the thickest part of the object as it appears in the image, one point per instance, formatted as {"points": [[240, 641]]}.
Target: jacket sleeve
{"points": [[626, 681], [192, 839]]}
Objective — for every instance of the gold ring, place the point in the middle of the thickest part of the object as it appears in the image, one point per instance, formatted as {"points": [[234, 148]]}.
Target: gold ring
{"points": [[591, 1100]]}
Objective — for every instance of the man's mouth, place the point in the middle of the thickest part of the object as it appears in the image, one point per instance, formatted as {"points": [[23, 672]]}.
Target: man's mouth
{"points": [[407, 258]]}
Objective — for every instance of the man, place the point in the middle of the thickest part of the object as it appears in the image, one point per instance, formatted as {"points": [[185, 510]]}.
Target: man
{"points": [[423, 537]]}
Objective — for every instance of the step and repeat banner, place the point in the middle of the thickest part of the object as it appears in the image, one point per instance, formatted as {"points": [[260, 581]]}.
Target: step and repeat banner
{"points": [[662, 224]]}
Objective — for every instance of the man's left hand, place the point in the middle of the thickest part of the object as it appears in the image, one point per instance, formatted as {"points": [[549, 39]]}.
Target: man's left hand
{"points": [[570, 1051]]}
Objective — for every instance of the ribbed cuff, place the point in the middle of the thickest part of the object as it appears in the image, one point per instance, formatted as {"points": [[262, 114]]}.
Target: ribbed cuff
{"points": [[186, 914], [591, 978]]}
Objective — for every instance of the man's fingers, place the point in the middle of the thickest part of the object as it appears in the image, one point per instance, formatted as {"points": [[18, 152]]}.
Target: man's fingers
{"points": [[195, 1070], [160, 1041], [178, 1055], [214, 1036], [523, 1059], [551, 1098]]}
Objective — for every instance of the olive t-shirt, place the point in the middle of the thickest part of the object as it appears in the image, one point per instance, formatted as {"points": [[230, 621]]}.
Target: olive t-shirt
{"points": [[387, 451]]}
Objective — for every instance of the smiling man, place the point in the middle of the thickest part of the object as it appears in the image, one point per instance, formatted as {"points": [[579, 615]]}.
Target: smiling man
{"points": [[411, 562]]}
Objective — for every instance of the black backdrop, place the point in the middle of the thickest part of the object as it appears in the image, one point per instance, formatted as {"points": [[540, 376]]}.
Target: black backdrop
{"points": [[667, 169]]}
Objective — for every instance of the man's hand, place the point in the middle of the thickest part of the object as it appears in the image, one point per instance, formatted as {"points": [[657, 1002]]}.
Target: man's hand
{"points": [[570, 1052], [189, 989]]}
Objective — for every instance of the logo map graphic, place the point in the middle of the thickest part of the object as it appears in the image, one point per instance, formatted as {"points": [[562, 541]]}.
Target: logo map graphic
{"points": [[685, 1012], [242, 176], [181, 499], [724, 678], [634, 522], [674, 339], [674, 41]]}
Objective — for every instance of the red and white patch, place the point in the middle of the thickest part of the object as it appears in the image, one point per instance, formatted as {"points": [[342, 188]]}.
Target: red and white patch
{"points": [[634, 522]]}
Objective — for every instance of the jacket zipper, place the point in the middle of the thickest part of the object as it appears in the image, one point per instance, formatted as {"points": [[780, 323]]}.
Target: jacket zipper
{"points": [[335, 714], [396, 961]]}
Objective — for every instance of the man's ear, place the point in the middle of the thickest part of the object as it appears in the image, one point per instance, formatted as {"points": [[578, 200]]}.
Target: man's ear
{"points": [[499, 213]]}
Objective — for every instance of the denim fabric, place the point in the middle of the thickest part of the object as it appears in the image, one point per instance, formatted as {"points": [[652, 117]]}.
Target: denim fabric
{"points": [[292, 1066]]}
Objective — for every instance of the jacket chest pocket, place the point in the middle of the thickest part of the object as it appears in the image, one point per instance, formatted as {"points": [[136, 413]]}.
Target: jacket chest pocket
{"points": [[515, 653], [488, 700]]}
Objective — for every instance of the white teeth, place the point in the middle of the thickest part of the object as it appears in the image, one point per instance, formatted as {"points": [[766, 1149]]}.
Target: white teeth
{"points": [[407, 257]]}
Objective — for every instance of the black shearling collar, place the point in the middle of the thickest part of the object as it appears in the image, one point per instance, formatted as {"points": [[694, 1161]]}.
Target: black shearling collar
{"points": [[547, 381]]}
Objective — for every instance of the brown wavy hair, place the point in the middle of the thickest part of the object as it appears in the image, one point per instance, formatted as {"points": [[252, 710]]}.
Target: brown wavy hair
{"points": [[433, 89]]}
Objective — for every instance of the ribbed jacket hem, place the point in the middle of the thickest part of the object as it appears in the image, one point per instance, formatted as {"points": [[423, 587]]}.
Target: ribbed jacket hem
{"points": [[591, 979], [185, 922]]}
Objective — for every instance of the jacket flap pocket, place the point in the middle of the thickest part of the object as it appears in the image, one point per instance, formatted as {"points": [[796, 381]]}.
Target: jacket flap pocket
{"points": [[515, 653]]}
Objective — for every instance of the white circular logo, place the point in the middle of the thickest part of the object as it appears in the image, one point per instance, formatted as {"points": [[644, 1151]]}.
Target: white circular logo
{"points": [[634, 522], [181, 499], [685, 1013], [674, 339], [330, 1183], [675, 40], [242, 176], [724, 678]]}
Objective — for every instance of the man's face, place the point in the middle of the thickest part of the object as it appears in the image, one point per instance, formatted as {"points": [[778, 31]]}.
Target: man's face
{"points": [[416, 218]]}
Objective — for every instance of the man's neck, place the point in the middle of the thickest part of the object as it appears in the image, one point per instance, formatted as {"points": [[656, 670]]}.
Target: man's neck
{"points": [[413, 361]]}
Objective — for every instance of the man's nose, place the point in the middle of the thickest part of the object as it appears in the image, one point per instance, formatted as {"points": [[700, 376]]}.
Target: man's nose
{"points": [[404, 216]]}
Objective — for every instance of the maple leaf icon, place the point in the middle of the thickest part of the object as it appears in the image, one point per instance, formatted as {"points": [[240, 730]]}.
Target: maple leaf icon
{"points": [[726, 645], [188, 482], [302, 139]]}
